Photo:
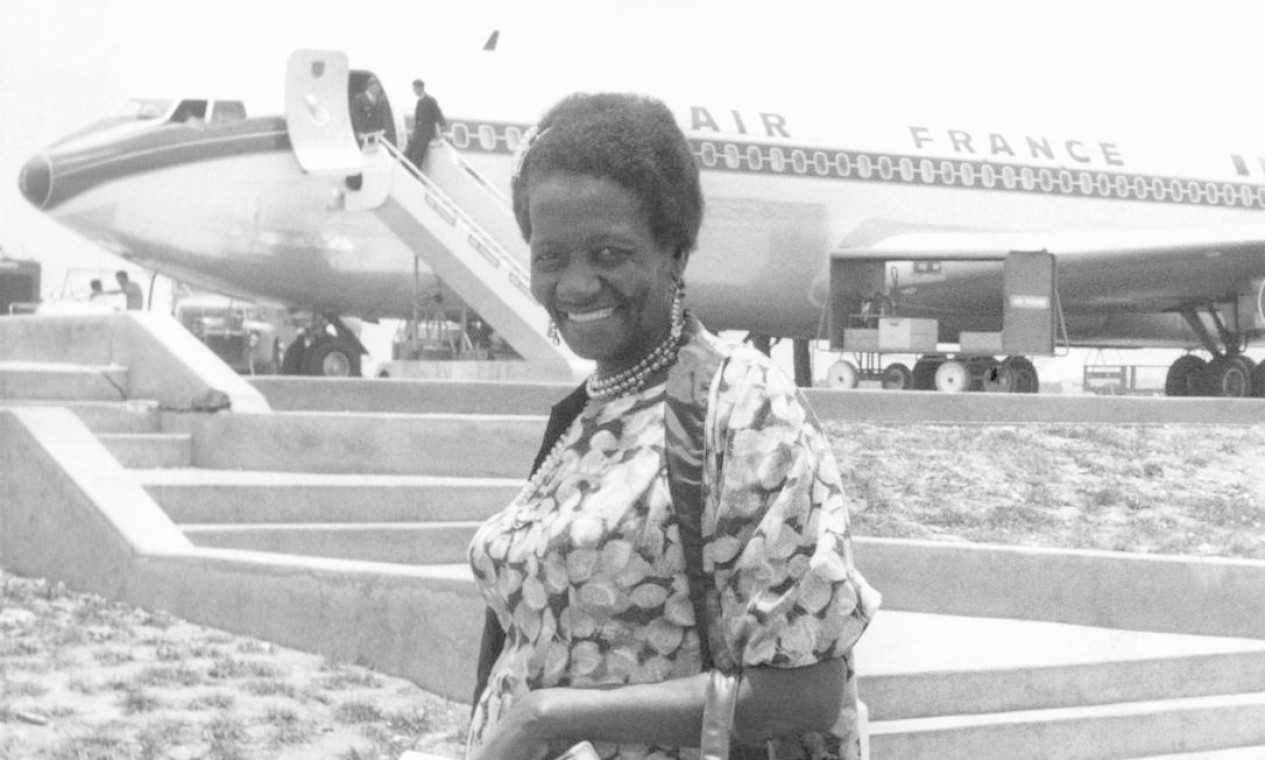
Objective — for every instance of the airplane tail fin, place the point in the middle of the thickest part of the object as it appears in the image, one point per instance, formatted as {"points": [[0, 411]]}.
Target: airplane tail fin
{"points": [[493, 38]]}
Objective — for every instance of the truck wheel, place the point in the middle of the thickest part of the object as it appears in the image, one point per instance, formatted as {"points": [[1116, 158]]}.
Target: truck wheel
{"points": [[842, 375], [897, 377], [952, 377]]}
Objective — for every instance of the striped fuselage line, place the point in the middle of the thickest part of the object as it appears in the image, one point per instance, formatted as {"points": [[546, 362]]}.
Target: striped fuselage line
{"points": [[806, 161], [175, 145]]}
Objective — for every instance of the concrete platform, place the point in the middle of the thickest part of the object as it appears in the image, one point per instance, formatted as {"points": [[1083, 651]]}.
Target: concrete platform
{"points": [[992, 665]]}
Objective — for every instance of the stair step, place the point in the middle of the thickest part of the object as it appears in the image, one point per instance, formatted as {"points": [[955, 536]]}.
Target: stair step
{"points": [[55, 381], [132, 416], [400, 543], [1234, 753], [150, 449], [1099, 732], [913, 664], [194, 495], [485, 446]]}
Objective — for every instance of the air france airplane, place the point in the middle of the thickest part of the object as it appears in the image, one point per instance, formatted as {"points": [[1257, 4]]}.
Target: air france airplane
{"points": [[884, 236]]}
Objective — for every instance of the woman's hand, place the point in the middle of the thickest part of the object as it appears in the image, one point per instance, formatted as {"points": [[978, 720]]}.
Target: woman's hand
{"points": [[522, 734]]}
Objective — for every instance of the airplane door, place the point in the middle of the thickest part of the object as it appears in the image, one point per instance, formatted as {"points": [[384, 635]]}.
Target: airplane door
{"points": [[318, 118], [1031, 282]]}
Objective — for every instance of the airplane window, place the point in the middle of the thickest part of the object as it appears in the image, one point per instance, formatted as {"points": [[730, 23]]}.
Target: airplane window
{"points": [[192, 112], [227, 112], [144, 109]]}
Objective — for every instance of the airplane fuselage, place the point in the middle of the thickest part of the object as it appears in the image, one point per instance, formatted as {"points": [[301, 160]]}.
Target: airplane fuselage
{"points": [[230, 208]]}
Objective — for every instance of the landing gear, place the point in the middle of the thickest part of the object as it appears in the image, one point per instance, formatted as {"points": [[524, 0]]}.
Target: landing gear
{"points": [[1228, 377], [1183, 376], [320, 352], [332, 357], [1229, 374]]}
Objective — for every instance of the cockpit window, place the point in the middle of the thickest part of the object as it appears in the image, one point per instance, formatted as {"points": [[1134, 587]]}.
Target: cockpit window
{"points": [[226, 112], [189, 112], [144, 109]]}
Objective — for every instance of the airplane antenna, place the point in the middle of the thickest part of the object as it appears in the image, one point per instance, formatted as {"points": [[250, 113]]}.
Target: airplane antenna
{"points": [[492, 40]]}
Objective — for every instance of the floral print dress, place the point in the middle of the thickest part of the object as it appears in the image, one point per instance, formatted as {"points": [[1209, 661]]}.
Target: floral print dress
{"points": [[585, 569]]}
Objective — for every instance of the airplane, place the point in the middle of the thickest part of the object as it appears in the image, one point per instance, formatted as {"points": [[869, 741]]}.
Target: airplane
{"points": [[807, 212]]}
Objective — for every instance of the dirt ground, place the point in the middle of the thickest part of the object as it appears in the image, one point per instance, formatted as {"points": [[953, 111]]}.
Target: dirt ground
{"points": [[88, 679], [82, 678]]}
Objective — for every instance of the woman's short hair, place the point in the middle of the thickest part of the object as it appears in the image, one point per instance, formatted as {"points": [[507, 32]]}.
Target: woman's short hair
{"points": [[631, 139]]}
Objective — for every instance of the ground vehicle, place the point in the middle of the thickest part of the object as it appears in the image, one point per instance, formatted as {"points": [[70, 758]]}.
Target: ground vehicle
{"points": [[19, 284], [243, 334]]}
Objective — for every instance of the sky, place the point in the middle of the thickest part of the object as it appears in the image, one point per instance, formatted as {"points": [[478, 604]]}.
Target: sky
{"points": [[1170, 66]]}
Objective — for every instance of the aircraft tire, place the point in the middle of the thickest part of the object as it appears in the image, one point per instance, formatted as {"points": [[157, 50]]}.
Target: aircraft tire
{"points": [[1025, 374], [897, 377], [924, 378], [842, 375], [1226, 377], [332, 357], [952, 377], [1183, 376]]}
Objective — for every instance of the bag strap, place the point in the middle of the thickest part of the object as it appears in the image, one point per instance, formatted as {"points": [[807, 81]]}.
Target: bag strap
{"points": [[684, 452]]}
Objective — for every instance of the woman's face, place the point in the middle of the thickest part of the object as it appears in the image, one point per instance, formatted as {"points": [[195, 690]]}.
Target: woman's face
{"points": [[596, 268]]}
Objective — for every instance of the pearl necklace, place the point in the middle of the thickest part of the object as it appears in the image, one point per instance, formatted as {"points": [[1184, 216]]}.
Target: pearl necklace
{"points": [[635, 377]]}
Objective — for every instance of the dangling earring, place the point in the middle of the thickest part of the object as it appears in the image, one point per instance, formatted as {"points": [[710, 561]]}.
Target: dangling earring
{"points": [[553, 332]]}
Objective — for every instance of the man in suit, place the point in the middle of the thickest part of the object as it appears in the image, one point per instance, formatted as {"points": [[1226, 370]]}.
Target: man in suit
{"points": [[427, 119]]}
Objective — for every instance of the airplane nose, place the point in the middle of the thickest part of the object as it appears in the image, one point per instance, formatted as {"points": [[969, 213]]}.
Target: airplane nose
{"points": [[36, 180]]}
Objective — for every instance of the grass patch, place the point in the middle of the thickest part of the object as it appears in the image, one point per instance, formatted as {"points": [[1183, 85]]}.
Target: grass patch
{"points": [[341, 677], [357, 711], [271, 688], [138, 700], [20, 688], [168, 675], [214, 700], [287, 728]]}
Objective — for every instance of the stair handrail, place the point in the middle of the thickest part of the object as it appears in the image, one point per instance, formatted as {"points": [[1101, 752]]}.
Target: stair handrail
{"points": [[483, 242], [474, 174]]}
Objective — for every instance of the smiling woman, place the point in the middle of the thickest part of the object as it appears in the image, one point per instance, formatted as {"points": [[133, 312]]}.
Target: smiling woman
{"points": [[684, 534]]}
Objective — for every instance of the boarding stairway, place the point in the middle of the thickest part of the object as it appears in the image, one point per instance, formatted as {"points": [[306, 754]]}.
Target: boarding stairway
{"points": [[455, 222]]}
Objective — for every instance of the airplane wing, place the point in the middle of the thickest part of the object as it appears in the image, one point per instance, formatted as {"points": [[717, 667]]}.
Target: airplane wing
{"points": [[1136, 270]]}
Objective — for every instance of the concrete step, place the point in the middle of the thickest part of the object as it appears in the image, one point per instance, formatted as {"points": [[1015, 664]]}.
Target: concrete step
{"points": [[195, 495], [400, 543], [453, 445], [1099, 732], [134, 416], [1234, 753], [1000, 665], [150, 450], [408, 396], [59, 381]]}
